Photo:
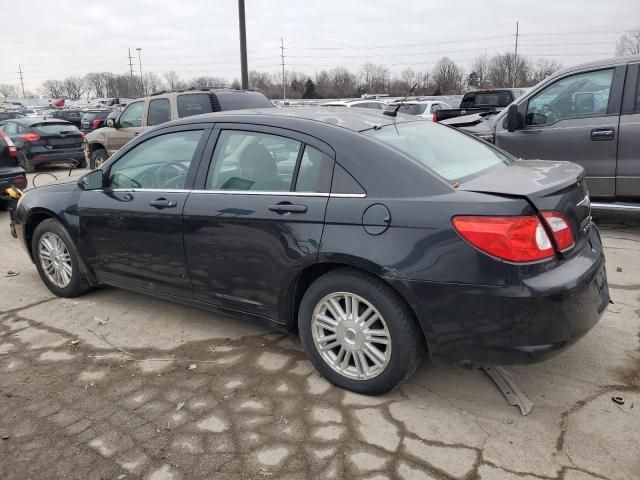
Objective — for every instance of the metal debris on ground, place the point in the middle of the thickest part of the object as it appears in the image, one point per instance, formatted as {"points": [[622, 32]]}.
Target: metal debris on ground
{"points": [[74, 342], [100, 321], [179, 406], [11, 273], [509, 389], [193, 366], [617, 399]]}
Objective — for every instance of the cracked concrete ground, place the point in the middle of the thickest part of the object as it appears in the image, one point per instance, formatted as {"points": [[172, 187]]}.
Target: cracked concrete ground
{"points": [[74, 405]]}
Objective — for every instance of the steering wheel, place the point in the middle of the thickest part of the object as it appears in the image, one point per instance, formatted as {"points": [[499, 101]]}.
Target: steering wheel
{"points": [[169, 174]]}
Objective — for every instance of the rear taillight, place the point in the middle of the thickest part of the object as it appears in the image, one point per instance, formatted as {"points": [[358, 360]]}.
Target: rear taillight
{"points": [[560, 229], [512, 238], [96, 123], [434, 118], [13, 152], [30, 137]]}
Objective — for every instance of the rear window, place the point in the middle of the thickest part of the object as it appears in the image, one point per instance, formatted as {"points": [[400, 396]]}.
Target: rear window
{"points": [[452, 155], [487, 99], [242, 100], [73, 115], [193, 104], [413, 109], [55, 128]]}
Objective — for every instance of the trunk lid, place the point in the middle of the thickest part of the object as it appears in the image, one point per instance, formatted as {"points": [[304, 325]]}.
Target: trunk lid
{"points": [[57, 136], [548, 186]]}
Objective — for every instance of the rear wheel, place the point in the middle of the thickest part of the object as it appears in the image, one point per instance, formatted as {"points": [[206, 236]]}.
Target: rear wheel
{"points": [[358, 332], [57, 260], [25, 162], [97, 158]]}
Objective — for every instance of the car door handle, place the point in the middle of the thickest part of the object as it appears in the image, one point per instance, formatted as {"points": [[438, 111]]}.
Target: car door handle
{"points": [[599, 134], [287, 207], [163, 203]]}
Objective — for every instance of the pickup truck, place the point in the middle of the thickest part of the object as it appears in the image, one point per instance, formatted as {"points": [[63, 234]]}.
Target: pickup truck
{"points": [[162, 107], [480, 102], [588, 114]]}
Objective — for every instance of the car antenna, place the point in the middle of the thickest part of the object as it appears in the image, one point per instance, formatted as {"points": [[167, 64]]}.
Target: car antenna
{"points": [[394, 112]]}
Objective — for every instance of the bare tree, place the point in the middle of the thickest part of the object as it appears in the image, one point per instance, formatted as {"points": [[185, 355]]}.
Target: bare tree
{"points": [[73, 87], [448, 77], [95, 84], [53, 88], [542, 69], [173, 82], [480, 67], [375, 78], [629, 43], [507, 70], [152, 83], [7, 90]]}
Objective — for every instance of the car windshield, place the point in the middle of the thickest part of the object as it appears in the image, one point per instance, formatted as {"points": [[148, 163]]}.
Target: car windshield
{"points": [[55, 128], [452, 155]]}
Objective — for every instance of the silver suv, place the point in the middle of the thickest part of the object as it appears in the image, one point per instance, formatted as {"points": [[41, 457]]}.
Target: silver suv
{"points": [[162, 107]]}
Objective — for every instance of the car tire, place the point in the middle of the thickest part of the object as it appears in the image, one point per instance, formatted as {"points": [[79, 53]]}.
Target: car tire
{"points": [[25, 162], [50, 236], [365, 372], [97, 158]]}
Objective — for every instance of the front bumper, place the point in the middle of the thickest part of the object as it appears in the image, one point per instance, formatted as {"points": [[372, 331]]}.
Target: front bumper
{"points": [[522, 323]]}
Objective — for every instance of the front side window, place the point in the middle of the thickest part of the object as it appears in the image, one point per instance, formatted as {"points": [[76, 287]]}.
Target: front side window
{"points": [[132, 115], [580, 95], [450, 154], [159, 111], [161, 162], [253, 161]]}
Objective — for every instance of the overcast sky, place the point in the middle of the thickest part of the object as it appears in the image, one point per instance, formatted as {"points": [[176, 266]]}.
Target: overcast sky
{"points": [[57, 38]]}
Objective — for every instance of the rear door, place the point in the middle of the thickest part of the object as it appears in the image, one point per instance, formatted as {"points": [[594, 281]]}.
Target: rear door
{"points": [[131, 229], [257, 217], [575, 119], [628, 168]]}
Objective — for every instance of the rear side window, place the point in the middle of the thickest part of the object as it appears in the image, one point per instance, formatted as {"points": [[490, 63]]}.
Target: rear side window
{"points": [[314, 174], [55, 128], [253, 161], [11, 128], [242, 100], [450, 154], [159, 111], [193, 104]]}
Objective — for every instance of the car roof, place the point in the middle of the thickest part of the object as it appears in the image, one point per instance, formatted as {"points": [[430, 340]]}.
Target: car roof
{"points": [[356, 120], [608, 62], [28, 121]]}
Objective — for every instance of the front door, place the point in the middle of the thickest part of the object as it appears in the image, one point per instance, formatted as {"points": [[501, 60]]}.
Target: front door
{"points": [[131, 230], [129, 125], [257, 220], [573, 119]]}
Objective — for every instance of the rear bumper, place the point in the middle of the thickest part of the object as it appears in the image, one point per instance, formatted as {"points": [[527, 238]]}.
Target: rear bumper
{"points": [[522, 323], [40, 157]]}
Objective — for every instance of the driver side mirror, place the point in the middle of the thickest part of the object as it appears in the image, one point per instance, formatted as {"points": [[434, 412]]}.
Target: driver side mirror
{"points": [[111, 123], [514, 119], [93, 180]]}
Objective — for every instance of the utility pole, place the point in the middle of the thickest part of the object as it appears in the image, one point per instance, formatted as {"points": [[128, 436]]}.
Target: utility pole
{"points": [[130, 65], [243, 46], [284, 83], [515, 60], [21, 80], [140, 64]]}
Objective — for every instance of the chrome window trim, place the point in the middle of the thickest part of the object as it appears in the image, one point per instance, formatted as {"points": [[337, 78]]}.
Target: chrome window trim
{"points": [[240, 192]]}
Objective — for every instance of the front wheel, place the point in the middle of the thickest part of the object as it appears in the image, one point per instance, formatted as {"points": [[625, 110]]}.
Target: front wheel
{"points": [[358, 332], [58, 260], [97, 158]]}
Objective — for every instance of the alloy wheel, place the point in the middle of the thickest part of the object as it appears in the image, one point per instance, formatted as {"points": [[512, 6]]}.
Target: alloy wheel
{"points": [[55, 259], [351, 336]]}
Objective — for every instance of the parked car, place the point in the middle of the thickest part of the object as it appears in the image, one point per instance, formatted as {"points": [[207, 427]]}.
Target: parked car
{"points": [[374, 104], [71, 116], [93, 119], [377, 238], [425, 109], [479, 102], [31, 112], [40, 141], [7, 114], [11, 175], [146, 112], [588, 114]]}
